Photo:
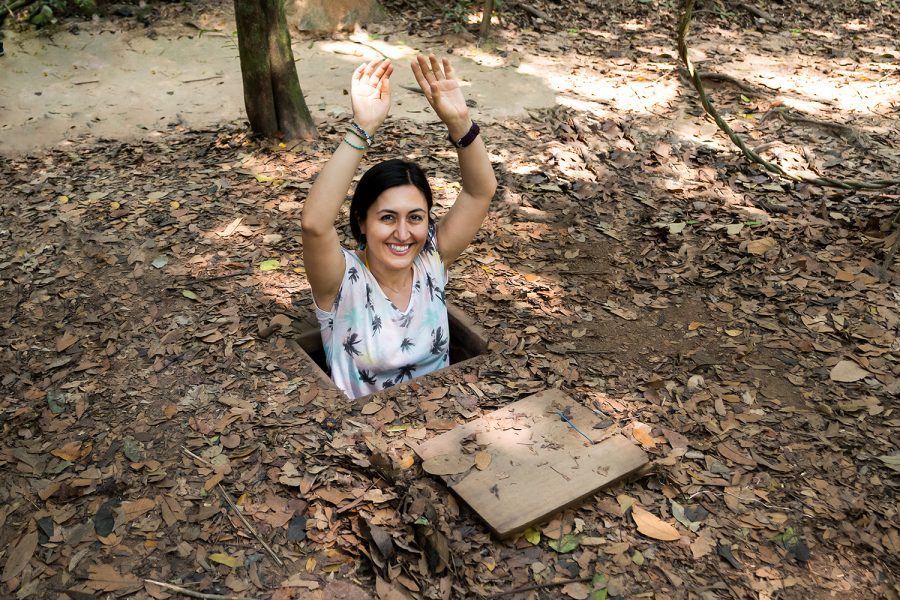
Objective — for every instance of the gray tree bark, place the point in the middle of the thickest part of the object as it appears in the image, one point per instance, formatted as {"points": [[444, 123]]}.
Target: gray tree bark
{"points": [[273, 98]]}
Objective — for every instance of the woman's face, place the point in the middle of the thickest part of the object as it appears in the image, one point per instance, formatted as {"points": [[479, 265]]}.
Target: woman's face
{"points": [[396, 227]]}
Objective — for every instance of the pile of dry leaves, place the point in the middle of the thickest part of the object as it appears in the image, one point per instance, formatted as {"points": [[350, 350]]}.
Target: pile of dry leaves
{"points": [[162, 427]]}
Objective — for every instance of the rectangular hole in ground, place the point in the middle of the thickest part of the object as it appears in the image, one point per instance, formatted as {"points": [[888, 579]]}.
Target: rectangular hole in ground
{"points": [[466, 342]]}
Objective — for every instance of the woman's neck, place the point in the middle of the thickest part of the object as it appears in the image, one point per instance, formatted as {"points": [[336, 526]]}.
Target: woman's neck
{"points": [[395, 283]]}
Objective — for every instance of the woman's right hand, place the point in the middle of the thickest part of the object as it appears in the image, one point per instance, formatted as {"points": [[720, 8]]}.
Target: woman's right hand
{"points": [[370, 94]]}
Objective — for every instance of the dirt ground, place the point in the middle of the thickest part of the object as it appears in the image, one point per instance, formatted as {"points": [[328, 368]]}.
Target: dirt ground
{"points": [[161, 424]]}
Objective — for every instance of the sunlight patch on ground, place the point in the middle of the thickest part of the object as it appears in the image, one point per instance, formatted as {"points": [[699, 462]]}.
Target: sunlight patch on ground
{"points": [[620, 90], [360, 45]]}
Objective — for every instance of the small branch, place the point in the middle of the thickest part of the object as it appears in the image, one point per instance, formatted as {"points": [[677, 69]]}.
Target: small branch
{"points": [[844, 184], [539, 586], [194, 594], [248, 525], [203, 79], [195, 457], [85, 82]]}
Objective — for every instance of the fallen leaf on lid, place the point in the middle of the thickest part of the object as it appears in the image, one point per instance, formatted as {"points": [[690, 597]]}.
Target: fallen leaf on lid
{"points": [[652, 526], [847, 371], [482, 460], [448, 464]]}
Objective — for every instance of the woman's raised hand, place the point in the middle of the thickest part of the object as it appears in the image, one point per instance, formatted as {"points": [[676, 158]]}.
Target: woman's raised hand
{"points": [[443, 93], [370, 93]]}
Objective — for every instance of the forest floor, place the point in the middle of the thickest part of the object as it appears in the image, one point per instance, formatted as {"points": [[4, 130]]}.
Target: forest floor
{"points": [[739, 327]]}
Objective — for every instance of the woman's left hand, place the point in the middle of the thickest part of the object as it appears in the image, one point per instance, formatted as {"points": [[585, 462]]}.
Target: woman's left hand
{"points": [[443, 93]]}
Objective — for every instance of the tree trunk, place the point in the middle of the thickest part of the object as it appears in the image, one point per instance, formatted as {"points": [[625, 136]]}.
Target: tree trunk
{"points": [[486, 20], [272, 94]]}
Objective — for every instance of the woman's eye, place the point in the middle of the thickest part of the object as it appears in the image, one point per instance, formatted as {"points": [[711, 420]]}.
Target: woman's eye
{"points": [[387, 218], [416, 218]]}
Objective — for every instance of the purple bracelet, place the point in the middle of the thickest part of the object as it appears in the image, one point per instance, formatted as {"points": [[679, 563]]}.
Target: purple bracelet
{"points": [[467, 139]]}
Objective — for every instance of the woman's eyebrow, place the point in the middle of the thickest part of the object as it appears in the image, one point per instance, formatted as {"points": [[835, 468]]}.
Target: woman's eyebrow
{"points": [[394, 212]]}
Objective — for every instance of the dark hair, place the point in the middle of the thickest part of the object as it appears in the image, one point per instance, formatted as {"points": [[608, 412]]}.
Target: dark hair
{"points": [[381, 177]]}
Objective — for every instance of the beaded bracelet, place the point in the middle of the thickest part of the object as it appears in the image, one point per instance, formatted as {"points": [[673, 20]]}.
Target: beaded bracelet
{"points": [[360, 136], [359, 131], [352, 145]]}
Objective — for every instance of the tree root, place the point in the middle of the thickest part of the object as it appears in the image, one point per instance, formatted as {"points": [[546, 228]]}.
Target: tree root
{"points": [[851, 134], [694, 76]]}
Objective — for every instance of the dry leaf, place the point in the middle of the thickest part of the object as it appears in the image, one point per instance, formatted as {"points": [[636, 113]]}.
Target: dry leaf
{"points": [[66, 341], [847, 371], [224, 559], [761, 246], [652, 526], [20, 555], [105, 578], [482, 460], [449, 464], [371, 408]]}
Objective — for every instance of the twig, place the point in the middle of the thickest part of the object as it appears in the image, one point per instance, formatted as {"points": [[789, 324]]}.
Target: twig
{"points": [[85, 82], [755, 11], [370, 46], [203, 79], [195, 457], [248, 525], [538, 586], [844, 184], [194, 594]]}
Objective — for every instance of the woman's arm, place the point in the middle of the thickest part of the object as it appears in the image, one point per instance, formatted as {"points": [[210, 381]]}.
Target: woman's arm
{"points": [[459, 226], [370, 95]]}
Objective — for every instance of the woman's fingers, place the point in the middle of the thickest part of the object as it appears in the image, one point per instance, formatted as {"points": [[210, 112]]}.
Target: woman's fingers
{"points": [[448, 70], [381, 68], [420, 79], [436, 67]]}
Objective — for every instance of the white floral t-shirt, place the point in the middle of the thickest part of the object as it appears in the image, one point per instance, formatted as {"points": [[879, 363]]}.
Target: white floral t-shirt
{"points": [[369, 343]]}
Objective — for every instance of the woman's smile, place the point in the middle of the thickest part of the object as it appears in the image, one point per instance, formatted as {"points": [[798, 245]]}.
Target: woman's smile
{"points": [[396, 227]]}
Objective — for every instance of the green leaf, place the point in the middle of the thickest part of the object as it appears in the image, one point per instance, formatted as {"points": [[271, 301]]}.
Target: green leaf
{"points": [[599, 583], [269, 265], [744, 98], [395, 428], [533, 536], [131, 450], [422, 521], [56, 401], [565, 544], [160, 261], [189, 294], [637, 558], [678, 513]]}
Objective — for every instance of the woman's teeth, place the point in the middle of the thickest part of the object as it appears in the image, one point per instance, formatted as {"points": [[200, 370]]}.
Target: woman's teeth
{"points": [[399, 248]]}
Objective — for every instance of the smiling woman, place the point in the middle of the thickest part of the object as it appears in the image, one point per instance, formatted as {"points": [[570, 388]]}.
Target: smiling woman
{"points": [[381, 308]]}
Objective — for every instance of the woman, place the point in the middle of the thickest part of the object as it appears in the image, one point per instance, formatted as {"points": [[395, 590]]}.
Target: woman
{"points": [[381, 307]]}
